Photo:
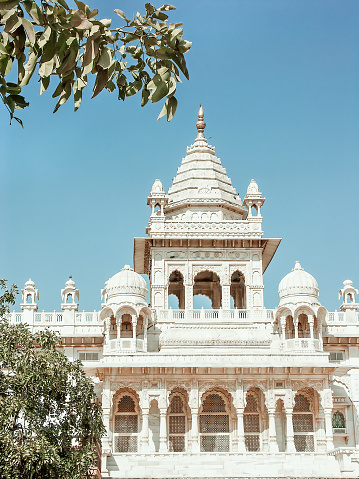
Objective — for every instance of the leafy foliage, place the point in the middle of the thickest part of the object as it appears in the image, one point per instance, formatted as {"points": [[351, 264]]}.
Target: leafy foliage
{"points": [[8, 297], [50, 423], [145, 55]]}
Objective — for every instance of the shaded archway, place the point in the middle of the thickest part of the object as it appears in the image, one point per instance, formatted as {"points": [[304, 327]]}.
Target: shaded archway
{"points": [[176, 288], [208, 283], [178, 414], [125, 421], [214, 421], [238, 290]]}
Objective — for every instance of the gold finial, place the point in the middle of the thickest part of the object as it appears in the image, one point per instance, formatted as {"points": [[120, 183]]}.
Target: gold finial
{"points": [[201, 124]]}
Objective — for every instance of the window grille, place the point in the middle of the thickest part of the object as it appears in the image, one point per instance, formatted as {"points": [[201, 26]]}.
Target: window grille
{"points": [[304, 443], [214, 425], [88, 356], [336, 356], [126, 426], [176, 425], [303, 425], [251, 424], [338, 420]]}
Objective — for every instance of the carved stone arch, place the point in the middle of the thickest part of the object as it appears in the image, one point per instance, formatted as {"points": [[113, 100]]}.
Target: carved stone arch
{"points": [[126, 309], [344, 383], [309, 394], [223, 393], [284, 311], [217, 269], [106, 312], [242, 268], [146, 313], [181, 268], [304, 309], [255, 384], [179, 391], [126, 391]]}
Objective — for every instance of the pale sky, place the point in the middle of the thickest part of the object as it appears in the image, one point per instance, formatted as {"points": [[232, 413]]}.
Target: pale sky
{"points": [[279, 84]]}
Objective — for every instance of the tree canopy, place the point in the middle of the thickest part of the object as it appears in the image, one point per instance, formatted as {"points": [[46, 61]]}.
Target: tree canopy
{"points": [[145, 54], [50, 422]]}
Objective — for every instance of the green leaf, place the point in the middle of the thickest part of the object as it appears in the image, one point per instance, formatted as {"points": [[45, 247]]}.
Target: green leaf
{"points": [[63, 4], [160, 92], [164, 73], [167, 7], [105, 59], [149, 8], [133, 87], [46, 68], [29, 29], [163, 112], [20, 101], [145, 96], [171, 108], [18, 120], [34, 11], [100, 83], [121, 14], [44, 83]]}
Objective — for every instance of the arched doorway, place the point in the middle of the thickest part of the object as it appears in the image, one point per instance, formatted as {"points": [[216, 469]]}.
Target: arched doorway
{"points": [[208, 283]]}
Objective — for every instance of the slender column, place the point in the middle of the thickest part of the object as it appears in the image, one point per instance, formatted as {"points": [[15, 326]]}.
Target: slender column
{"points": [[296, 325], [107, 329], [195, 436], [311, 326], [226, 296], [329, 429], [189, 296], [134, 326], [273, 445], [119, 324], [240, 430], [290, 433], [282, 327], [144, 436], [163, 430]]}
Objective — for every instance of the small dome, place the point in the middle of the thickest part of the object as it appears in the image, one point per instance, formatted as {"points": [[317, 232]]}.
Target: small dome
{"points": [[157, 188], [347, 282], [29, 283], [70, 282], [298, 286], [126, 282]]}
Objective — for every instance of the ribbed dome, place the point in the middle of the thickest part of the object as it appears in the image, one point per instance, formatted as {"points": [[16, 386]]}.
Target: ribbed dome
{"points": [[298, 286], [126, 282]]}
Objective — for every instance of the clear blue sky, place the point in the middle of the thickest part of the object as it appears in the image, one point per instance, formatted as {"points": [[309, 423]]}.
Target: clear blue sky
{"points": [[279, 83]]}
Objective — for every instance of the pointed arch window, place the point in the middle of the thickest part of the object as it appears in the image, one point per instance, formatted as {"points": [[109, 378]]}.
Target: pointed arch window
{"points": [[177, 425], [251, 423], [214, 424], [303, 424], [126, 425]]}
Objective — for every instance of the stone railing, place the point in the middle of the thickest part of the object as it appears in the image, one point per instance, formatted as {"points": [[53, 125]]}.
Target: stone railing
{"points": [[220, 229], [220, 315], [303, 344], [125, 345], [56, 318]]}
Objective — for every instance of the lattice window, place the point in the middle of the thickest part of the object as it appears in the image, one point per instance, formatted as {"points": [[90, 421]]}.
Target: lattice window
{"points": [[214, 425], [251, 424], [213, 403], [177, 425], [303, 424], [126, 425], [338, 420], [304, 443]]}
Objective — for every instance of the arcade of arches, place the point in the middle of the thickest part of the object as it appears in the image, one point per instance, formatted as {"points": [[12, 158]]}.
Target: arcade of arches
{"points": [[220, 426], [208, 283]]}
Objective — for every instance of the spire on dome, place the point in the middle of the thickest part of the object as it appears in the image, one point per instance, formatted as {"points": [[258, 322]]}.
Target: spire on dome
{"points": [[297, 266], [201, 124]]}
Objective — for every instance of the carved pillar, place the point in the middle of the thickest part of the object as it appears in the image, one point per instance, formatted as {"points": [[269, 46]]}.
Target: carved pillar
{"points": [[144, 436], [320, 432], [240, 429], [311, 326], [163, 430], [195, 436], [296, 322], [290, 433], [189, 296], [226, 296], [107, 329], [329, 428], [134, 326], [282, 327], [119, 325], [273, 445]]}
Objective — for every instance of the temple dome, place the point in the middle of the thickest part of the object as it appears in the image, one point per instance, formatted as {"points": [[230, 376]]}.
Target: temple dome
{"points": [[126, 283], [298, 286]]}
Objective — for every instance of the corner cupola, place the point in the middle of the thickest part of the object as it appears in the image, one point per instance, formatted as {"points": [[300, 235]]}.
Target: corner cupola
{"points": [[125, 286], [298, 287]]}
